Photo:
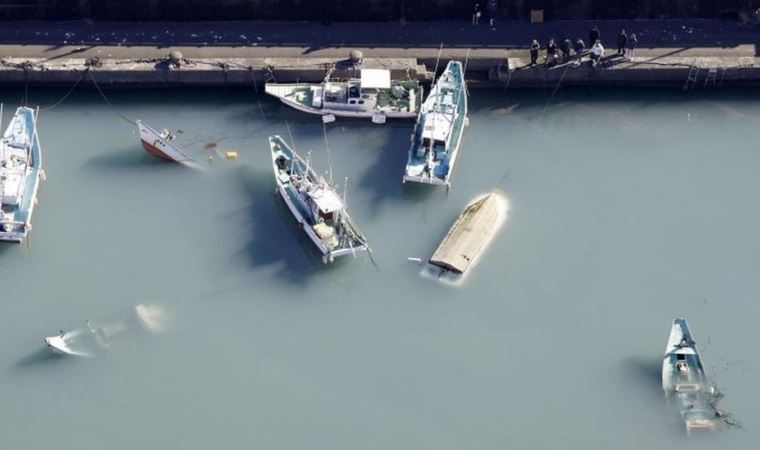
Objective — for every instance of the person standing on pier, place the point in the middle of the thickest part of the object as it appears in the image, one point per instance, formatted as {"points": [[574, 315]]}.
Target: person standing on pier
{"points": [[492, 7], [621, 42], [567, 44], [476, 14], [551, 53], [632, 42], [534, 48], [580, 46], [593, 35]]}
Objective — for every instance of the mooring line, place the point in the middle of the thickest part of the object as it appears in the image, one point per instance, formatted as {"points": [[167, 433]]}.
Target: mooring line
{"points": [[105, 99], [84, 74]]}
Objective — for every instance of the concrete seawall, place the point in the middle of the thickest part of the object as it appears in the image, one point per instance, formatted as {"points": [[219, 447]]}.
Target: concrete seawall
{"points": [[482, 72]]}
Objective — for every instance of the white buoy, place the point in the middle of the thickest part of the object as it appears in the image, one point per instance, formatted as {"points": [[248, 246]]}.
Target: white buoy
{"points": [[414, 259]]}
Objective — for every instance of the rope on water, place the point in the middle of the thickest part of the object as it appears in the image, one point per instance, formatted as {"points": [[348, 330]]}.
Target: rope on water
{"points": [[105, 99], [84, 74]]}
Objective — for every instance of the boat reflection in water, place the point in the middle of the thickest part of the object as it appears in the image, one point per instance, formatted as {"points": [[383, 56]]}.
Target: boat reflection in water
{"points": [[94, 339]]}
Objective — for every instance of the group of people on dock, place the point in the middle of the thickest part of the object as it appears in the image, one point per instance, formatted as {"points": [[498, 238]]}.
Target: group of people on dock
{"points": [[492, 7], [567, 51]]}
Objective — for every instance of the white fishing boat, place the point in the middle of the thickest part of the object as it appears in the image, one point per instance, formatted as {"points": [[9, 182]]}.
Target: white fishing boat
{"points": [[320, 211], [161, 145], [438, 133], [20, 173], [683, 379], [374, 95]]}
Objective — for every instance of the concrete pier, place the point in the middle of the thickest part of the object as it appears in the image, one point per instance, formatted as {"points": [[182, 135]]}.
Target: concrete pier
{"points": [[692, 54]]}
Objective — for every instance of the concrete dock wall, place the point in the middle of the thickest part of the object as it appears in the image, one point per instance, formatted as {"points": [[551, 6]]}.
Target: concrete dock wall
{"points": [[481, 72]]}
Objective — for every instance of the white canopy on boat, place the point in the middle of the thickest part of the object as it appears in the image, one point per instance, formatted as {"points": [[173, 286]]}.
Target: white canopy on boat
{"points": [[437, 127], [376, 78], [326, 200]]}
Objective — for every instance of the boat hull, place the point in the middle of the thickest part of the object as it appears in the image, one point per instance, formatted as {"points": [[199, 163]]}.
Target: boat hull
{"points": [[156, 145], [348, 113], [18, 229], [284, 192], [460, 121]]}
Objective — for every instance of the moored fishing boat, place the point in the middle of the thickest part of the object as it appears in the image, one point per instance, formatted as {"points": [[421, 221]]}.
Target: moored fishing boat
{"points": [[320, 211], [373, 95], [683, 378], [161, 145], [438, 133], [20, 173]]}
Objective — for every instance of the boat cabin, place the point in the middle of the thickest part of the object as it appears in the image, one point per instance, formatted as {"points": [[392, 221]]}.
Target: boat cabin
{"points": [[356, 94], [325, 205]]}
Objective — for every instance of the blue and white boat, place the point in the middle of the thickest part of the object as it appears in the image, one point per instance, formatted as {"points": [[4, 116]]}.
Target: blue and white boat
{"points": [[684, 380], [319, 210], [438, 133], [20, 173]]}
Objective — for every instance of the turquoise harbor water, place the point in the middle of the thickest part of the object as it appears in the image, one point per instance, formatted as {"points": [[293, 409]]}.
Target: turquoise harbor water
{"points": [[627, 209]]}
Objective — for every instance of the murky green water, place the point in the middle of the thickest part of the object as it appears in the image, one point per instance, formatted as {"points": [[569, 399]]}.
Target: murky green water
{"points": [[626, 210]]}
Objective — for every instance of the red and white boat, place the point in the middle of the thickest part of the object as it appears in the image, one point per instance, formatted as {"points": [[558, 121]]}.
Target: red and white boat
{"points": [[160, 145]]}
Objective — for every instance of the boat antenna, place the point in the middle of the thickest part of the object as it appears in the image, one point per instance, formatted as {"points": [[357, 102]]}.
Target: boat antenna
{"points": [[464, 69], [1, 117], [327, 148], [435, 71], [292, 141]]}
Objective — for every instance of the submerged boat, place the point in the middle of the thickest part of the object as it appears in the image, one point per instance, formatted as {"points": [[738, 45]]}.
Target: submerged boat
{"points": [[683, 378], [319, 210], [20, 173], [95, 339], [438, 133], [161, 145], [374, 95]]}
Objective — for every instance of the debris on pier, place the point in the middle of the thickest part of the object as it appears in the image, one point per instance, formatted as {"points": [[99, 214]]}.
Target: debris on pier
{"points": [[470, 234]]}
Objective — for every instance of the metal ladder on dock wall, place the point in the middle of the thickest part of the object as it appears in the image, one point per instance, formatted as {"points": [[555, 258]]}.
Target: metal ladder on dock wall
{"points": [[712, 77], [691, 79]]}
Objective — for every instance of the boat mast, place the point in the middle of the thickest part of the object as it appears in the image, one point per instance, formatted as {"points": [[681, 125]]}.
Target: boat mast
{"points": [[327, 148]]}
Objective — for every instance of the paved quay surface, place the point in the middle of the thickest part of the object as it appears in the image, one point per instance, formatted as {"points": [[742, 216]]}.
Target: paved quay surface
{"points": [[65, 46]]}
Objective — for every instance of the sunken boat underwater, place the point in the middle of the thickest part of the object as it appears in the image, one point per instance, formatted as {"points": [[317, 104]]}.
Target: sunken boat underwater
{"points": [[20, 174], [319, 210], [684, 380], [438, 133], [470, 234], [373, 95]]}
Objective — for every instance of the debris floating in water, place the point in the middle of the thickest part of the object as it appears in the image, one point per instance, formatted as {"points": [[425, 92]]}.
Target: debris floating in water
{"points": [[231, 154], [414, 259], [209, 145]]}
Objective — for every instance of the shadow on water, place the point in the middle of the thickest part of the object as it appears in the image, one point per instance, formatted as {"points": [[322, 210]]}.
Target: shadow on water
{"points": [[383, 179], [645, 373], [41, 357], [132, 157], [275, 237]]}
